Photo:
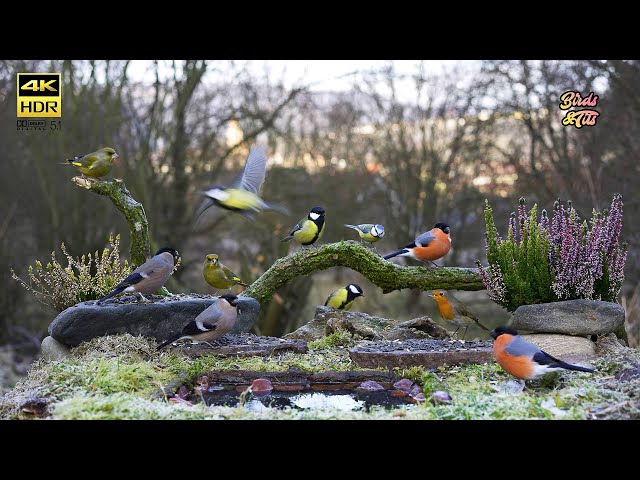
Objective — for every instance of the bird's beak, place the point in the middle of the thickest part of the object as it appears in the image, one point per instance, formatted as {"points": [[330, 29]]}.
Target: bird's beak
{"points": [[430, 295], [115, 155]]}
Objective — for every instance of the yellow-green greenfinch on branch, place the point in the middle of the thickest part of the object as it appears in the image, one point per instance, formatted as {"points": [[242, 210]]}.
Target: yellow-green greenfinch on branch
{"points": [[243, 196], [308, 230], [148, 277], [343, 298], [96, 164], [216, 320], [217, 275]]}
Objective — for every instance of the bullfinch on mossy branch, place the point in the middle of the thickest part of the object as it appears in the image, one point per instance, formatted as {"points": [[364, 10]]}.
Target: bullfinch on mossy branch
{"points": [[523, 359], [243, 196], [215, 321], [95, 164], [342, 298], [455, 312], [429, 246], [148, 277], [308, 230]]}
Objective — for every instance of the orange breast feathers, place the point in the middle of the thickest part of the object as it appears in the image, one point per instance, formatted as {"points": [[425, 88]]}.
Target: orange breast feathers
{"points": [[444, 307], [438, 248], [520, 367]]}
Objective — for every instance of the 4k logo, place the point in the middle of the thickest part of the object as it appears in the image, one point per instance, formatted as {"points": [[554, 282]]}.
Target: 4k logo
{"points": [[39, 95]]}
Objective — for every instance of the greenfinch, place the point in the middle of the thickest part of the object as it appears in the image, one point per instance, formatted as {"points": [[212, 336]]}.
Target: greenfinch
{"points": [[342, 298], [148, 277], [219, 276], [243, 196], [368, 232], [309, 229], [96, 164]]}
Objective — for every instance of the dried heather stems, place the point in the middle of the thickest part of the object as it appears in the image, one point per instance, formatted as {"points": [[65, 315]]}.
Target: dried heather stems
{"points": [[556, 259]]}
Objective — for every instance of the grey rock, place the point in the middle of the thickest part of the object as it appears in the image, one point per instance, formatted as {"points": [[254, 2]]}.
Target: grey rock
{"points": [[562, 345], [162, 318], [570, 317], [328, 320], [53, 349]]}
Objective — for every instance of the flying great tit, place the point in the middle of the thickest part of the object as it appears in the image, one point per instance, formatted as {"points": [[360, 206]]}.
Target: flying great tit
{"points": [[455, 312], [148, 277], [429, 246], [369, 232], [218, 275], [342, 298], [243, 196], [309, 229], [215, 321], [523, 359], [96, 164]]}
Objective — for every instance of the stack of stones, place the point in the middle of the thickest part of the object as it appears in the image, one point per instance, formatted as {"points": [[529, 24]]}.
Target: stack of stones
{"points": [[570, 327]]}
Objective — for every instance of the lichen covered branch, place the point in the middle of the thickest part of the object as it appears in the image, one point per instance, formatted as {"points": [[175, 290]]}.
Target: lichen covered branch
{"points": [[351, 254], [132, 210]]}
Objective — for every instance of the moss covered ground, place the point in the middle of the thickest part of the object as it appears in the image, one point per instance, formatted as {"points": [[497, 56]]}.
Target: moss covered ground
{"points": [[119, 377]]}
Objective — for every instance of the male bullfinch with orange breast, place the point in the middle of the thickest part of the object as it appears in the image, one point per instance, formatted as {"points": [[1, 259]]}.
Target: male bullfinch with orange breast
{"points": [[429, 246], [523, 359]]}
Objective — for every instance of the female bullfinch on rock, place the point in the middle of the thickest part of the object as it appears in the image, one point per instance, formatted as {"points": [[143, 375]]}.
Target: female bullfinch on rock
{"points": [[523, 359], [148, 277], [216, 320], [343, 298], [429, 246]]}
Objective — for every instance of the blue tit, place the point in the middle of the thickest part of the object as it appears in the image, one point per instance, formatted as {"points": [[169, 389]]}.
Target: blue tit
{"points": [[213, 322], [343, 298], [148, 277], [243, 196], [368, 232], [309, 229]]}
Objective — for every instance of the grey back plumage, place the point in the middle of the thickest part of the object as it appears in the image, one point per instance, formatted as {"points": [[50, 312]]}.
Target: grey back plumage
{"points": [[221, 314], [254, 170], [519, 347], [155, 272], [425, 239]]}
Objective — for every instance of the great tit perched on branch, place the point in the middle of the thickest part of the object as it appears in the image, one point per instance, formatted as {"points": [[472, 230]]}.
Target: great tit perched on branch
{"points": [[96, 164], [429, 246], [309, 229], [369, 232], [342, 298], [148, 277], [523, 359], [243, 196], [216, 320], [218, 275]]}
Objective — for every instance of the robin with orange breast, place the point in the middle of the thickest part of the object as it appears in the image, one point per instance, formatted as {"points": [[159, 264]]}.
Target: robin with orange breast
{"points": [[429, 246], [523, 359], [455, 312]]}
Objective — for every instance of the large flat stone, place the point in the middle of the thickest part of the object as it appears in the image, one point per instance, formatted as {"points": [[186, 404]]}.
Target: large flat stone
{"points": [[424, 353], [328, 320], [562, 345], [162, 318], [243, 345], [570, 317]]}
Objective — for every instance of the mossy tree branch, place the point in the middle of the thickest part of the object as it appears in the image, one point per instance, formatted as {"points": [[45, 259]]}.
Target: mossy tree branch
{"points": [[132, 210], [380, 272]]}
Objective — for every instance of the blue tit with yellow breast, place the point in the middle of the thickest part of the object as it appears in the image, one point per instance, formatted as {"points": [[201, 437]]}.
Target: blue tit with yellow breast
{"points": [[309, 229], [369, 232], [342, 298]]}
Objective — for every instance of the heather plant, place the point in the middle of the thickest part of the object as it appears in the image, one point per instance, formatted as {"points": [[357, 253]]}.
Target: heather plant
{"points": [[85, 278], [557, 258]]}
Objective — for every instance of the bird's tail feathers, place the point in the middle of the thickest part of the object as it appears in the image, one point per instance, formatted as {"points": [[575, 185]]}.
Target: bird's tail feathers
{"points": [[115, 292], [395, 254], [240, 282], [286, 239], [348, 225], [278, 208], [167, 342], [577, 368]]}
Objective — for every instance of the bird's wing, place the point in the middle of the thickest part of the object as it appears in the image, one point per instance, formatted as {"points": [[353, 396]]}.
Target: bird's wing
{"points": [[365, 227], [194, 328], [153, 268], [90, 159], [519, 347], [209, 317], [298, 226], [423, 240], [229, 274], [132, 279], [461, 307], [254, 170]]}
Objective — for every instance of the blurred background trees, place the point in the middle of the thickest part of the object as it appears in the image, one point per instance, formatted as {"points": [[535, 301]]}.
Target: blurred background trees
{"points": [[402, 149]]}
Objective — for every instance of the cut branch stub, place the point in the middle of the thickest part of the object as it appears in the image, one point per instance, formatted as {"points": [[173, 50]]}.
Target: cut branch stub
{"points": [[378, 271], [132, 210]]}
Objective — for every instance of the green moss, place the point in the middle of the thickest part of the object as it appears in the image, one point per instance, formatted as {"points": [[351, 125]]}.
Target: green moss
{"points": [[340, 338]]}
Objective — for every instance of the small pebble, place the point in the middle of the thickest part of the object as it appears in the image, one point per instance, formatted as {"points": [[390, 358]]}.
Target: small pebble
{"points": [[440, 398], [405, 385], [370, 386], [261, 386]]}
